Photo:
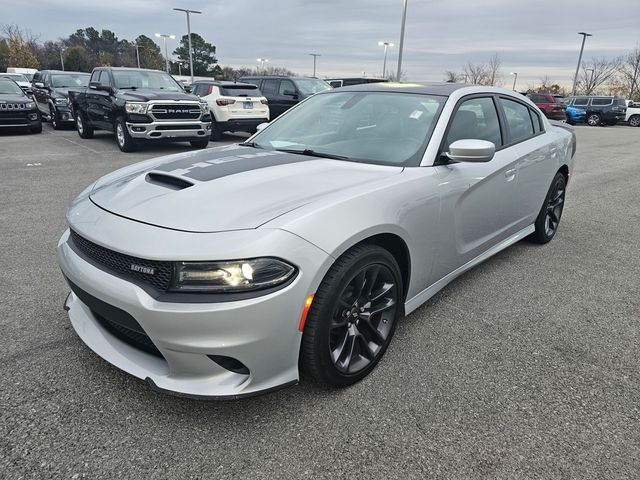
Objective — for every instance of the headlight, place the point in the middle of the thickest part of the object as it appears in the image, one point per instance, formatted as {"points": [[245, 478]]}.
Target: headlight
{"points": [[61, 101], [135, 107], [232, 276], [205, 107], [30, 105]]}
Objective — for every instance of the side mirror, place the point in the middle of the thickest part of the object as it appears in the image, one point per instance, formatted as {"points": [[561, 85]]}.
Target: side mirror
{"points": [[188, 89], [99, 86], [468, 150], [38, 85], [262, 126], [290, 93]]}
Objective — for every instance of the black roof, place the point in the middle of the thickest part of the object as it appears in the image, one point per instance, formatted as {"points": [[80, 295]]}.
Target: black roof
{"points": [[278, 76], [223, 83], [62, 71]]}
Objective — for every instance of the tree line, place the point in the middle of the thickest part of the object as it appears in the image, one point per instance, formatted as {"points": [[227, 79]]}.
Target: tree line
{"points": [[88, 48], [597, 76]]}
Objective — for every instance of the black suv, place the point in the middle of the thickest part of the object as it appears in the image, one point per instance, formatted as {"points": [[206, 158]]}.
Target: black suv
{"points": [[16, 109], [600, 110], [51, 94], [282, 92]]}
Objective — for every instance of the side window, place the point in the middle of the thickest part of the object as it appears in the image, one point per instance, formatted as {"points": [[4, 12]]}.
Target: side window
{"points": [[601, 102], [535, 118], [286, 85], [580, 102], [36, 77], [104, 78], [95, 76], [476, 118], [269, 86], [518, 120], [46, 79]]}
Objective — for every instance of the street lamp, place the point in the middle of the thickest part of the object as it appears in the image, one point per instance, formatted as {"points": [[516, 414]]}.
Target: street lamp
{"points": [[404, 19], [164, 37], [60, 50], [262, 61], [314, 55], [515, 74], [386, 46], [575, 78], [189, 34], [138, 47]]}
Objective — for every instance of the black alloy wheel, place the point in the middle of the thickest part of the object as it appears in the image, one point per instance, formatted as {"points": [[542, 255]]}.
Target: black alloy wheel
{"points": [[353, 316], [53, 118], [549, 217]]}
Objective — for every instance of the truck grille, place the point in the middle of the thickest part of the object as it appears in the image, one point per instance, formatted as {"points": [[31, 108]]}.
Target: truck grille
{"points": [[175, 112], [13, 106], [158, 274]]}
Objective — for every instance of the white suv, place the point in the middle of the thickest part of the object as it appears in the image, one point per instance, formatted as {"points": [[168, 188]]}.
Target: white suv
{"points": [[236, 107]]}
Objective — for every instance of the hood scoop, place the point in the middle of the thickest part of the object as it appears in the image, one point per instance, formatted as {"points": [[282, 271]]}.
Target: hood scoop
{"points": [[169, 181]]}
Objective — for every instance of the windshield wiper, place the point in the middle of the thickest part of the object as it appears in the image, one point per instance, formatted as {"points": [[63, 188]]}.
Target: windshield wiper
{"points": [[128, 88], [313, 153], [251, 144]]}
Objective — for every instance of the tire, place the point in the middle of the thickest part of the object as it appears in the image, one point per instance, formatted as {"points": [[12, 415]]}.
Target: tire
{"points": [[84, 130], [551, 212], [53, 118], [594, 119], [123, 139], [199, 144], [216, 133], [342, 321], [634, 121], [37, 128]]}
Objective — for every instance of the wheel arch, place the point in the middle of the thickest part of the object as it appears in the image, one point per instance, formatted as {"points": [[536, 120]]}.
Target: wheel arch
{"points": [[564, 170]]}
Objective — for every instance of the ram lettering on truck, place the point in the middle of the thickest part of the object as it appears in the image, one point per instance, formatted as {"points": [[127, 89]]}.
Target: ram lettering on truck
{"points": [[140, 105]]}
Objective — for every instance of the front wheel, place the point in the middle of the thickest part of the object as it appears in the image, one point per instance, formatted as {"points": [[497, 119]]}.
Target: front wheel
{"points": [[594, 119], [549, 217], [125, 142], [84, 130], [53, 118], [353, 316], [634, 121], [199, 144]]}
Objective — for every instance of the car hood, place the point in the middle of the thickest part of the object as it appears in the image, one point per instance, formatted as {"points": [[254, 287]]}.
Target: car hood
{"points": [[148, 95], [6, 98], [228, 188]]}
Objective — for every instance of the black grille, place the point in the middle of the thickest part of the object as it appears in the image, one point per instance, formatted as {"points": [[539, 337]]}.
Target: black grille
{"points": [[159, 273], [127, 335], [175, 112], [13, 117]]}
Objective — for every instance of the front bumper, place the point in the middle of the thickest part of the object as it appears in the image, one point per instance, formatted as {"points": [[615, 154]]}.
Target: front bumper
{"points": [[22, 119], [192, 130], [261, 332], [63, 114]]}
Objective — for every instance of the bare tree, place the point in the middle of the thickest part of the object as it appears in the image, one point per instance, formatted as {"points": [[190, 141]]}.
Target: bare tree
{"points": [[596, 73], [630, 73], [476, 74], [494, 75], [452, 77]]}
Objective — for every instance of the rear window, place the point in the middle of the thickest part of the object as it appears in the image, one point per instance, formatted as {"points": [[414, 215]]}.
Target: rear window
{"points": [[621, 102], [240, 91], [601, 101], [538, 98]]}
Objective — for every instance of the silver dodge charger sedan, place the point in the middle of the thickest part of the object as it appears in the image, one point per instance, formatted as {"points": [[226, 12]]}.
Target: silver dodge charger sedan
{"points": [[223, 272]]}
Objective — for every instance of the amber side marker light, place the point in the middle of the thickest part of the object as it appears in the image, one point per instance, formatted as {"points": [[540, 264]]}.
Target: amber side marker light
{"points": [[305, 312]]}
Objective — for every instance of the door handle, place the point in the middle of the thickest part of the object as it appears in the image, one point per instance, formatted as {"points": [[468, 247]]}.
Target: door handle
{"points": [[510, 174]]}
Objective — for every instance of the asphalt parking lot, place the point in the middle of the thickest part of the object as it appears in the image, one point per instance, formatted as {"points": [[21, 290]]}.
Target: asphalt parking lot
{"points": [[526, 367]]}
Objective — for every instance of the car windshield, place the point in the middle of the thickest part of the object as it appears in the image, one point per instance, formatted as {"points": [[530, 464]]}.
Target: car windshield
{"points": [[309, 86], [370, 127], [9, 87], [16, 77], [60, 80], [135, 79]]}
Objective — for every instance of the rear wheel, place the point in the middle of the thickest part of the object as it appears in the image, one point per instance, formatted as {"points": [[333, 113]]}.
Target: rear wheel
{"points": [[125, 142], [199, 143], [353, 316], [549, 217], [634, 121], [594, 119], [84, 130]]}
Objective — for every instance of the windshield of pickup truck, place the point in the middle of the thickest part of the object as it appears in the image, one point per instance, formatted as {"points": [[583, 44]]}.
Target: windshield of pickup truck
{"points": [[309, 86], [139, 79], [65, 80]]}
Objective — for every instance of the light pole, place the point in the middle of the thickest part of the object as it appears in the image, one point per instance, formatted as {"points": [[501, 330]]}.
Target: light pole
{"points": [[60, 50], [138, 47], [400, 48], [262, 61], [164, 37], [575, 78], [386, 46], [314, 55], [180, 68], [515, 74], [189, 34]]}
